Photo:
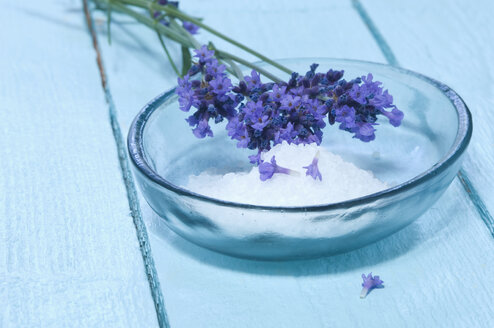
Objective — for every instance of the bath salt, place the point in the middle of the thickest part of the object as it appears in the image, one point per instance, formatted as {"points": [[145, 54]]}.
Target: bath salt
{"points": [[341, 180]]}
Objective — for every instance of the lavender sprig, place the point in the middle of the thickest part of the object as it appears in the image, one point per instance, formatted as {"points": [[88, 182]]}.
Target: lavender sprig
{"points": [[162, 19], [261, 115]]}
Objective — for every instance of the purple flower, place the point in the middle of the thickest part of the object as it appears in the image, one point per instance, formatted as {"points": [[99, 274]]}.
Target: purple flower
{"points": [[254, 80], [358, 94], [171, 3], [204, 54], [183, 84], [261, 123], [290, 102], [255, 159], [186, 100], [312, 169], [237, 131], [369, 85], [286, 134], [261, 115], [186, 95], [346, 116], [395, 116], [298, 91], [190, 27], [278, 92], [381, 99], [192, 120], [364, 132], [253, 110], [268, 169], [370, 283], [221, 85], [202, 130], [334, 76], [214, 69]]}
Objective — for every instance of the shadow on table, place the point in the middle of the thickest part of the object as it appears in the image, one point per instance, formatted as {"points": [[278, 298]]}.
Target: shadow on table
{"points": [[123, 33], [387, 249]]}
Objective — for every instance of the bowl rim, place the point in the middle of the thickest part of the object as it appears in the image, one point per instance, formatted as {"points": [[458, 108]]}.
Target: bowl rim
{"points": [[463, 136]]}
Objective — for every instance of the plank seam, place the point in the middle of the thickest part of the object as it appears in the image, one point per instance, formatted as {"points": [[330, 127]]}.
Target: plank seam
{"points": [[134, 206], [381, 42], [472, 193], [477, 201]]}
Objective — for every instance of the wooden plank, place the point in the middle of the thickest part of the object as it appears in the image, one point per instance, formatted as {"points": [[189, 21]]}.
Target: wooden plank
{"points": [[69, 256], [432, 272], [427, 267], [454, 47]]}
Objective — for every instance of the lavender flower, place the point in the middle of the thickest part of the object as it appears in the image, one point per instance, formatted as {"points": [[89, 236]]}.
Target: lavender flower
{"points": [[211, 97], [254, 80], [312, 169], [157, 14], [268, 169], [395, 116], [370, 283], [346, 116], [202, 130], [204, 54], [221, 85], [166, 2], [261, 115], [190, 27]]}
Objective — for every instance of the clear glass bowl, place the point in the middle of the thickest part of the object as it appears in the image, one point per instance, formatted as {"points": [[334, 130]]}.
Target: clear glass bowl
{"points": [[418, 160]]}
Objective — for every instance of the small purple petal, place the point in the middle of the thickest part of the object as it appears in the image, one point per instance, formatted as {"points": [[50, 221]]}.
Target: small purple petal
{"points": [[221, 85], [313, 169], [204, 54], [370, 283], [202, 130], [268, 169], [395, 116], [255, 159], [190, 27]]}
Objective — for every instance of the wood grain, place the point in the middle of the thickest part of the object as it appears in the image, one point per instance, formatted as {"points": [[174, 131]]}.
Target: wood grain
{"points": [[69, 256], [451, 42], [436, 271]]}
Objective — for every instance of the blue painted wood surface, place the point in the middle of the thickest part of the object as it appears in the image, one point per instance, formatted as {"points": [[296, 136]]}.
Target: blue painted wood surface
{"points": [[69, 255], [437, 272]]}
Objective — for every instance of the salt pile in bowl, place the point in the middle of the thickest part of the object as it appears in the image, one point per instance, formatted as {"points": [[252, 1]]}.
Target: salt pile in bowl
{"points": [[340, 180]]}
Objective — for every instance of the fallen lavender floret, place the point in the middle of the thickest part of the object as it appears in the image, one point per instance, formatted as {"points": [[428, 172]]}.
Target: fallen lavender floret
{"points": [[312, 168], [262, 115], [370, 283], [268, 169]]}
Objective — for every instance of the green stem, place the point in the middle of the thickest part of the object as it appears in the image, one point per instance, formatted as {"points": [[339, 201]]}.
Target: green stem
{"points": [[226, 55], [197, 45], [236, 69], [185, 39], [177, 13], [223, 54], [162, 42], [168, 32], [168, 53], [185, 33]]}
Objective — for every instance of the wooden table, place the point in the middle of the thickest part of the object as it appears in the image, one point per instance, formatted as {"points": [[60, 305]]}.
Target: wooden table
{"points": [[74, 250]]}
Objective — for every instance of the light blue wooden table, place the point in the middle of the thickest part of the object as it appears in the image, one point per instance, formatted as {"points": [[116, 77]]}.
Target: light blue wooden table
{"points": [[74, 250]]}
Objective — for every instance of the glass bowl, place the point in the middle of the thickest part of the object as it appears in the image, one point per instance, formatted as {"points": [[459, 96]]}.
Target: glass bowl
{"points": [[418, 161]]}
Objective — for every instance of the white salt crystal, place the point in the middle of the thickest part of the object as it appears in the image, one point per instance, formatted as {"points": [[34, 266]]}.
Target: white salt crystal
{"points": [[340, 180]]}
